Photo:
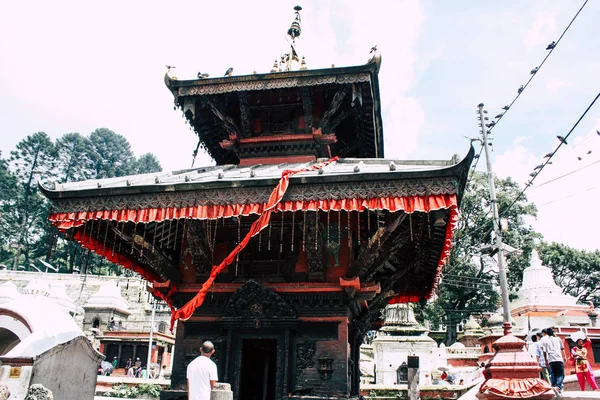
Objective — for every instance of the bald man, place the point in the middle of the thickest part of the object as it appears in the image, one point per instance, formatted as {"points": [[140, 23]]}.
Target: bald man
{"points": [[202, 374]]}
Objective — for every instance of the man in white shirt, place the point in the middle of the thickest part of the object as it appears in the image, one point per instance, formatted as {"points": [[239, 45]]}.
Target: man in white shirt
{"points": [[202, 374], [554, 352]]}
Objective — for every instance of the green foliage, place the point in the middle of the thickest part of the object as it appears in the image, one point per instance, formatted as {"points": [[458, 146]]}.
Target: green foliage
{"points": [[131, 392], [25, 233], [147, 163], [576, 271], [111, 154], [470, 282]]}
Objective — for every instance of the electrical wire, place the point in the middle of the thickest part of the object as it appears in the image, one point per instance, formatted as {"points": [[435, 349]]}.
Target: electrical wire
{"points": [[569, 196], [520, 92], [565, 175], [529, 184]]}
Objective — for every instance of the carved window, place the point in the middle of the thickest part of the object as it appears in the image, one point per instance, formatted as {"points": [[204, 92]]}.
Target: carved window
{"points": [[402, 373], [162, 327], [96, 323]]}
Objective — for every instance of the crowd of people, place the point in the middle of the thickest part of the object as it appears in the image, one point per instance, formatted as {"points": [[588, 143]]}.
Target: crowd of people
{"points": [[550, 353]]}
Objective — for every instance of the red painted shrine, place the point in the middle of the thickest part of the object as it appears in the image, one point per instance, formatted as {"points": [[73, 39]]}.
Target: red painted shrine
{"points": [[285, 251]]}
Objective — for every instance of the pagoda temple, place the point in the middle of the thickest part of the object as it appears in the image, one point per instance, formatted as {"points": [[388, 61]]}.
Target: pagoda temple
{"points": [[285, 252]]}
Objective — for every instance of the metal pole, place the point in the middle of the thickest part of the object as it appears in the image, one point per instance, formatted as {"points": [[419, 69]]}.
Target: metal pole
{"points": [[497, 232], [150, 341]]}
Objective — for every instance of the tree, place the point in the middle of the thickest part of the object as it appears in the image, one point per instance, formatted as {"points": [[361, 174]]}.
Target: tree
{"points": [[576, 271], [111, 154], [469, 284], [32, 161], [147, 163], [74, 158], [8, 195]]}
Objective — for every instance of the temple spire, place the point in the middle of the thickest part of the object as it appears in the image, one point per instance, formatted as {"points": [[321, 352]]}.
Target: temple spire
{"points": [[294, 32]]}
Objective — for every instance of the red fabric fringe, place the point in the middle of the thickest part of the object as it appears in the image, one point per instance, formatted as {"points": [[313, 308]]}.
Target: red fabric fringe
{"points": [[522, 388], [407, 204]]}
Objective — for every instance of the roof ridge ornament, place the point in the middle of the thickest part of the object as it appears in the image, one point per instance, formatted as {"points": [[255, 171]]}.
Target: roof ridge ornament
{"points": [[293, 33]]}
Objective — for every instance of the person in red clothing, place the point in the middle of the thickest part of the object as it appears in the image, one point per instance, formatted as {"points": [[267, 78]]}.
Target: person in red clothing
{"points": [[582, 366]]}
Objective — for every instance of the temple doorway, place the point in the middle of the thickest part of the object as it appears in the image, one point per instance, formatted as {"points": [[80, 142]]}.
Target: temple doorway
{"points": [[259, 364]]}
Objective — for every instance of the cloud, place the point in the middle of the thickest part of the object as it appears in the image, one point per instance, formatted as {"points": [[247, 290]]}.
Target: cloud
{"points": [[554, 85], [543, 28]]}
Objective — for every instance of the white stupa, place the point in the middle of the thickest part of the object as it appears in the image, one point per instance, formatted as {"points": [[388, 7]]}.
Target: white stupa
{"points": [[8, 292], [108, 297], [58, 292], [542, 303]]}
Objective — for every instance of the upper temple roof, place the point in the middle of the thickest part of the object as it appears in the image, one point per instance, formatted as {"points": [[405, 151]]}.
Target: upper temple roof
{"points": [[296, 115]]}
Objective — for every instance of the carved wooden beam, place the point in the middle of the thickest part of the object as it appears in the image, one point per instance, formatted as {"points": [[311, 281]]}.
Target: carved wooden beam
{"points": [[314, 247], [161, 264], [227, 122], [333, 107], [306, 107], [339, 118], [382, 260], [366, 258], [244, 113]]}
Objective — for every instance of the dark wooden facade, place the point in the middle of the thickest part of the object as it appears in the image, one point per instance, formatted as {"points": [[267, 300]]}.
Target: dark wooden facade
{"points": [[289, 314]]}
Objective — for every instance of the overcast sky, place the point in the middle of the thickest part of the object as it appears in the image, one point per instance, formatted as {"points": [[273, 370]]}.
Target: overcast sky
{"points": [[77, 66]]}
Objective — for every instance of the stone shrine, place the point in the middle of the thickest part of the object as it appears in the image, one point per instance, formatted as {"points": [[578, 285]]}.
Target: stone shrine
{"points": [[402, 336]]}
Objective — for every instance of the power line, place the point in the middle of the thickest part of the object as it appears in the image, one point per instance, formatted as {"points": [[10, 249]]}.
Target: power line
{"points": [[565, 175], [534, 72], [541, 167], [569, 196]]}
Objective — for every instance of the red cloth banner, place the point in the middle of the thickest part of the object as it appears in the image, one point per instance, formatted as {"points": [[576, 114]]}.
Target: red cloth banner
{"points": [[262, 222]]}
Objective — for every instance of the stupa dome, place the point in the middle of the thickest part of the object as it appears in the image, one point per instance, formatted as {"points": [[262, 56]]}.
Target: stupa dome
{"points": [[495, 320], [58, 292], [539, 287], [37, 287], [471, 325], [8, 292], [108, 297]]}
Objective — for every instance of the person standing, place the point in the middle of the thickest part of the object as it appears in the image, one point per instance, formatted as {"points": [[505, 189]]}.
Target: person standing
{"points": [[554, 353], [202, 374], [535, 350], [115, 362], [582, 366]]}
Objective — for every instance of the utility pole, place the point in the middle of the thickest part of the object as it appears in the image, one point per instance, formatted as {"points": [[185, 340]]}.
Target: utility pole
{"points": [[150, 341], [497, 230]]}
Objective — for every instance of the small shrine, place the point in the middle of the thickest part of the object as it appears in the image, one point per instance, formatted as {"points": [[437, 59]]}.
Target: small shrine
{"points": [[285, 252], [400, 337]]}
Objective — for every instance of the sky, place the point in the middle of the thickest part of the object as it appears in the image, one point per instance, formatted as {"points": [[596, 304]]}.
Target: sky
{"points": [[73, 66]]}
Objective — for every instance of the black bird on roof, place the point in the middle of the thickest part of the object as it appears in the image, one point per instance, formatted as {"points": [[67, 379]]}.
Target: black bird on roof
{"points": [[521, 89], [551, 46], [548, 155], [202, 75], [499, 116], [579, 158], [598, 132], [229, 72], [373, 49], [505, 108], [533, 71], [562, 140]]}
